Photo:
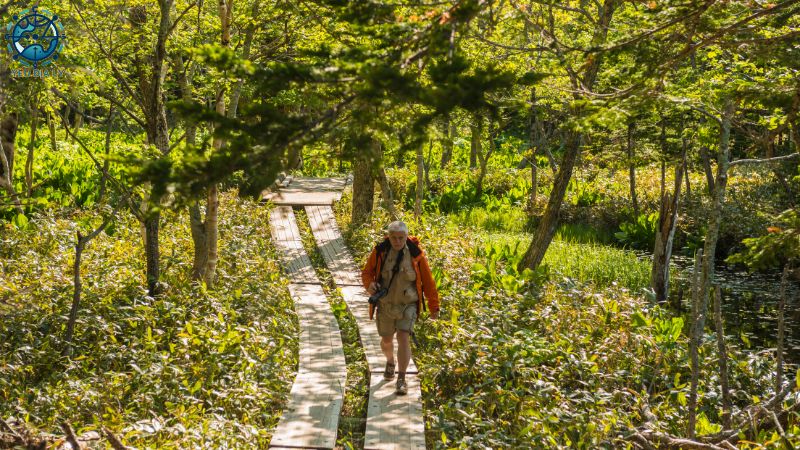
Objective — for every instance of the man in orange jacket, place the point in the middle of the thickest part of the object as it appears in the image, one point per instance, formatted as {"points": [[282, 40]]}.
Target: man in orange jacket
{"points": [[398, 271]]}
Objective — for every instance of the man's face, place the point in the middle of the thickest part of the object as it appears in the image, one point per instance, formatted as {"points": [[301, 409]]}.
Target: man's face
{"points": [[398, 239]]}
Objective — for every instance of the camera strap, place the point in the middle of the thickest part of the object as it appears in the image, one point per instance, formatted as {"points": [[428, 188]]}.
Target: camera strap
{"points": [[396, 267]]}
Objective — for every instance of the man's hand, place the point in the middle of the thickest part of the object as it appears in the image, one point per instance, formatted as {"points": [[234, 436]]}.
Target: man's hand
{"points": [[373, 288], [434, 315]]}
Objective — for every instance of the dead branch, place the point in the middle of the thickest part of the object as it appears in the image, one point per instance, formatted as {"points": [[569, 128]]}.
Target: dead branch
{"points": [[71, 438]]}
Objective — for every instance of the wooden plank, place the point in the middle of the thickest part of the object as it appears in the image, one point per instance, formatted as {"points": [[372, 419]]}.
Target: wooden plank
{"points": [[295, 262], [331, 243], [302, 198], [394, 422], [311, 417]]}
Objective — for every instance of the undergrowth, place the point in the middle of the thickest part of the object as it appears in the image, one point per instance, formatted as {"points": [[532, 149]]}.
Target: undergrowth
{"points": [[194, 368]]}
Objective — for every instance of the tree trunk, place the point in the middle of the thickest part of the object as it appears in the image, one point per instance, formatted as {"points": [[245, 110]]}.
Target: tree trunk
{"points": [[447, 142], [225, 9], [80, 245], [707, 168], [662, 252], [31, 149], [572, 145], [151, 90], [420, 183], [79, 118], [363, 185], [547, 226], [199, 239], [106, 161], [632, 171], [5, 179], [152, 253], [722, 352], [484, 162], [51, 125], [196, 224], [475, 141], [685, 146], [712, 234], [536, 139], [8, 136], [386, 194], [695, 329], [781, 331]]}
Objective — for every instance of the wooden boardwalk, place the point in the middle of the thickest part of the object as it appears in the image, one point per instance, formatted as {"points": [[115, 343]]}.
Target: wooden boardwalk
{"points": [[393, 422], [311, 418]]}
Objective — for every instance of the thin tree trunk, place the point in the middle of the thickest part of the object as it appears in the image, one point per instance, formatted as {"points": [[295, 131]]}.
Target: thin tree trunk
{"points": [[363, 185], [447, 142], [484, 162], [632, 170], [31, 148], [475, 141], [547, 226], [386, 193], [722, 352], [225, 9], [420, 183], [712, 234], [79, 118], [572, 145], [536, 139], [196, 224], [662, 252], [781, 331], [152, 253], [707, 168], [685, 145], [199, 239], [106, 160], [80, 245], [212, 230], [8, 137], [696, 328], [51, 125]]}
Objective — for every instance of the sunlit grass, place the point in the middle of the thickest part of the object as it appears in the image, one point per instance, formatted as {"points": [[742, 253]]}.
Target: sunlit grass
{"points": [[602, 265]]}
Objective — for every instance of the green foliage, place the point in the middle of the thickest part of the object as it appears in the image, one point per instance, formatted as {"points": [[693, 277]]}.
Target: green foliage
{"points": [[568, 363], [192, 368], [781, 244], [640, 234], [498, 268]]}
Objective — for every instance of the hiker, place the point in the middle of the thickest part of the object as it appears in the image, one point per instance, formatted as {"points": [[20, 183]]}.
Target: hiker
{"points": [[397, 272]]}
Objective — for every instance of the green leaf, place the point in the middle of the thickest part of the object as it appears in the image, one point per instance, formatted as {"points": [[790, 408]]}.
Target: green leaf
{"points": [[639, 320], [20, 221]]}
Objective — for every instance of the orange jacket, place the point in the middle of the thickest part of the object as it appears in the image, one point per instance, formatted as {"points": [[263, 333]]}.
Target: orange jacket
{"points": [[425, 283]]}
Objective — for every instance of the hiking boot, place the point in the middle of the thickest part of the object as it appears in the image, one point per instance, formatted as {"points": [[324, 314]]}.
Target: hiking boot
{"points": [[401, 387], [388, 372]]}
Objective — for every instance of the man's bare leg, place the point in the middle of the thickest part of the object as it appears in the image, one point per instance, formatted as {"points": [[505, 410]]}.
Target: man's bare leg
{"points": [[387, 346], [403, 350]]}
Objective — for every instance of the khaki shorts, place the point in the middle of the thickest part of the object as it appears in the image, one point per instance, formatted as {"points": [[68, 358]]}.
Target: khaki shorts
{"points": [[396, 317]]}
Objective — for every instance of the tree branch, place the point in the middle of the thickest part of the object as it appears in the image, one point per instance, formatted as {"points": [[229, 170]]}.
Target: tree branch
{"points": [[96, 39], [178, 19], [742, 162]]}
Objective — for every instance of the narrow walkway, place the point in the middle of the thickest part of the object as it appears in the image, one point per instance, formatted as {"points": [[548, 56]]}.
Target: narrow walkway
{"points": [[311, 417], [393, 422]]}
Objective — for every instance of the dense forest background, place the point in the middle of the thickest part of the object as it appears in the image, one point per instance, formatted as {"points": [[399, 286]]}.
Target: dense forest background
{"points": [[593, 182]]}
